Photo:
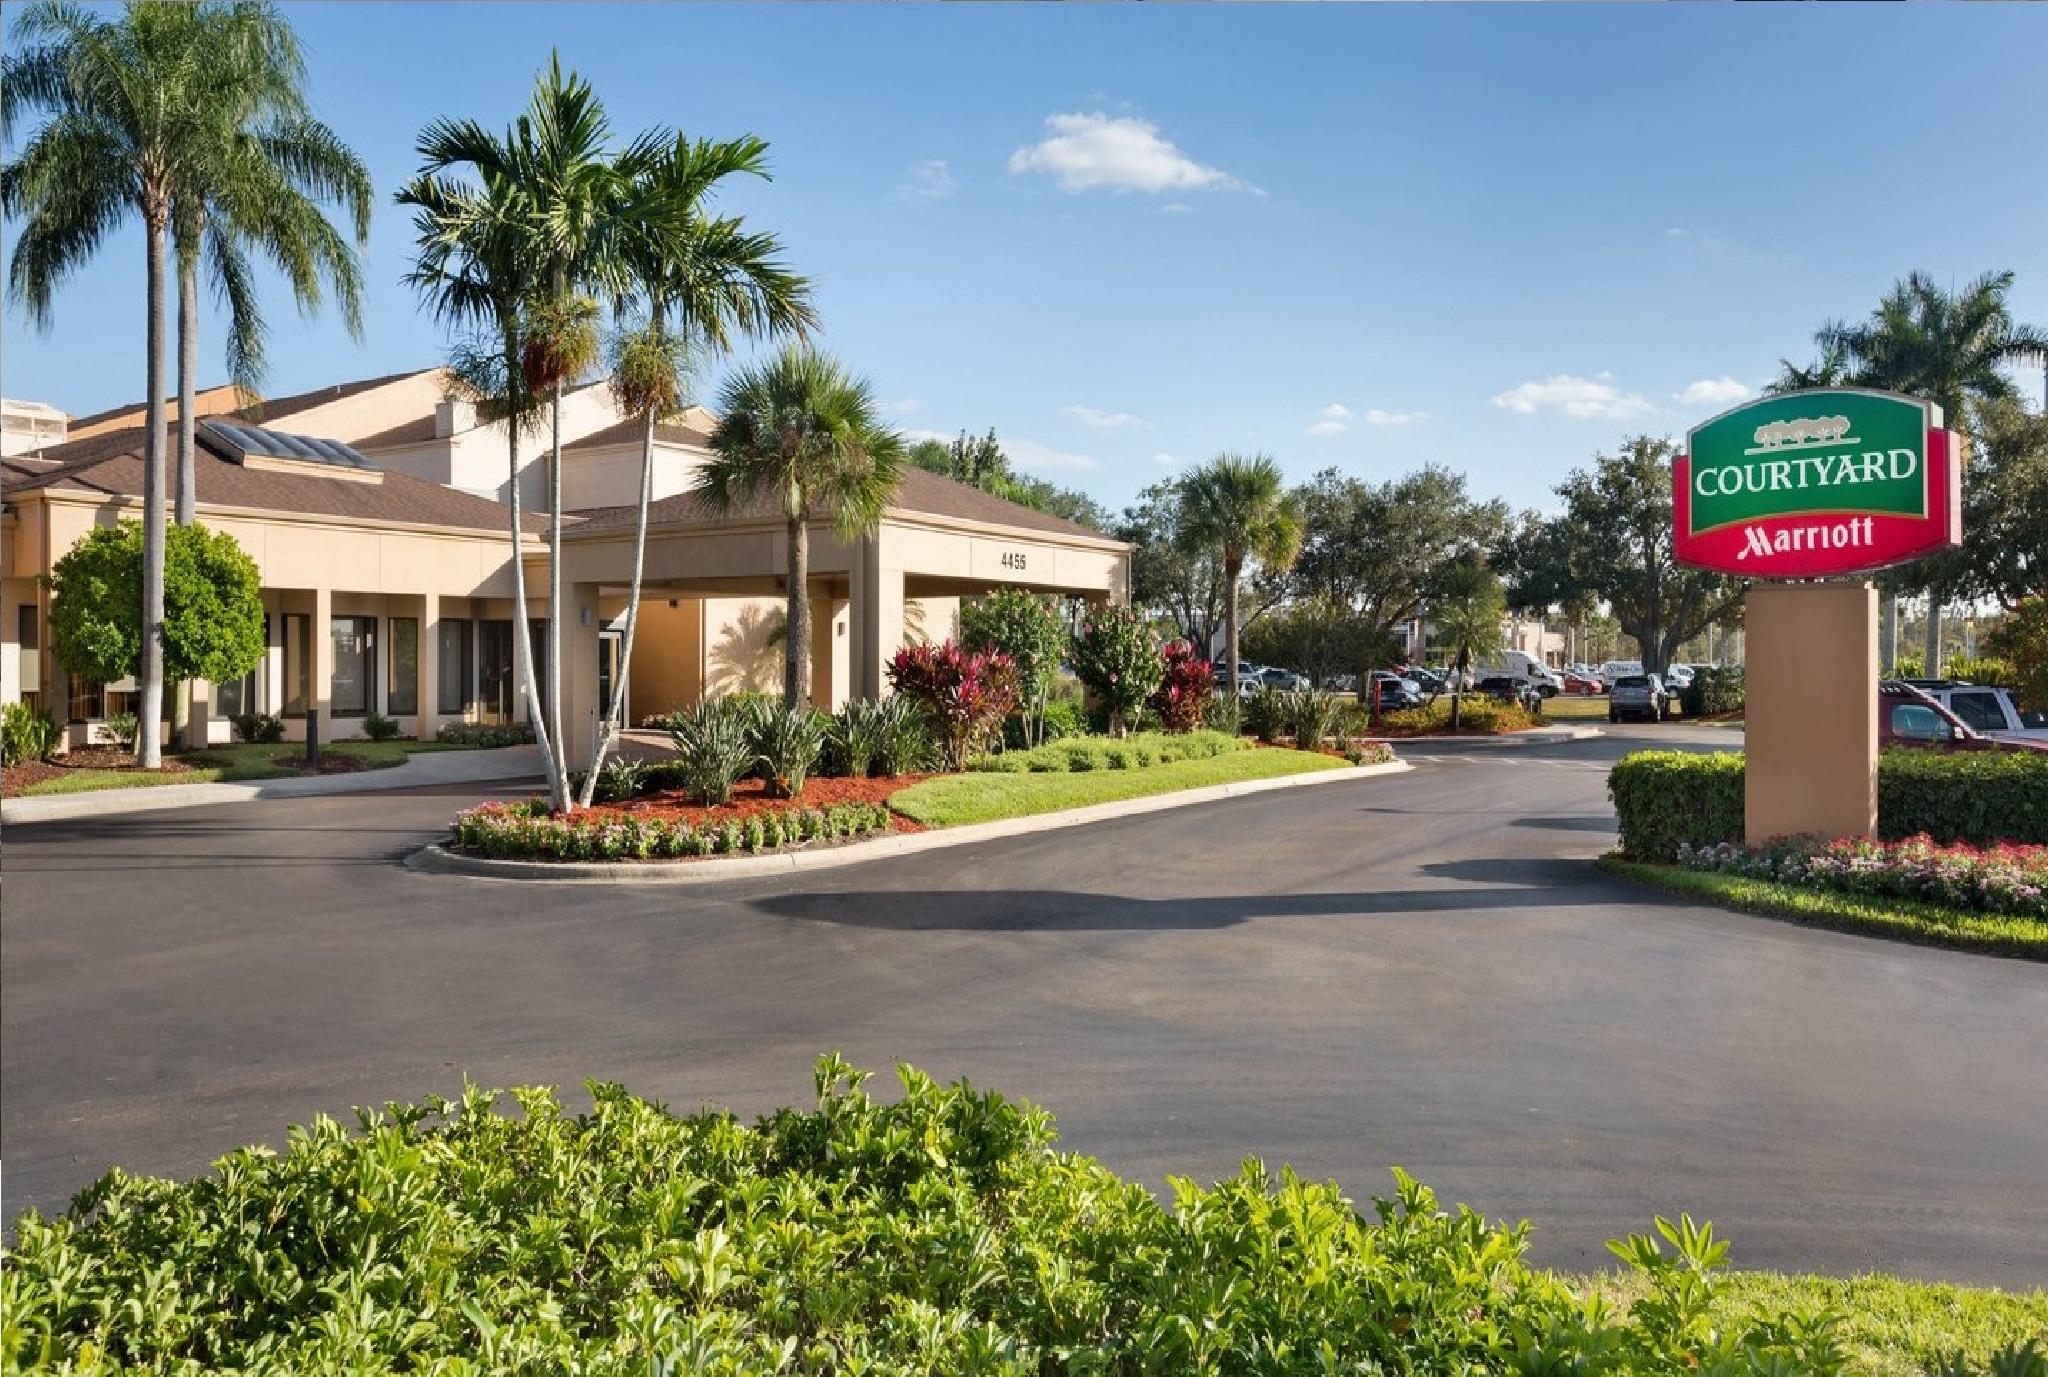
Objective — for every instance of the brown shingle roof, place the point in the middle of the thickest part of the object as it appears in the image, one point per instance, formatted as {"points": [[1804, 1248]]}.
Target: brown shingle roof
{"points": [[921, 493], [694, 429], [112, 465], [221, 400]]}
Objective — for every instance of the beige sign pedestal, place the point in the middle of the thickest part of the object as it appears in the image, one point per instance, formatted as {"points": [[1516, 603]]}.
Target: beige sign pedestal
{"points": [[1810, 722]]}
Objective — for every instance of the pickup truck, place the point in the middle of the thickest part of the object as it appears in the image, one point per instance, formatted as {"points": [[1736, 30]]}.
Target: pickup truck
{"points": [[1909, 716], [1991, 711]]}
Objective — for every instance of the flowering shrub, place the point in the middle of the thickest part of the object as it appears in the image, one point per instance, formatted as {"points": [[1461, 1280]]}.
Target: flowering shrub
{"points": [[1117, 658], [966, 693], [1994, 879], [527, 831], [1368, 752], [1185, 686]]}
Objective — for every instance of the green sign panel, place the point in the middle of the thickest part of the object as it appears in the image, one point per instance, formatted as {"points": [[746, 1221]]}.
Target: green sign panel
{"points": [[1831, 452]]}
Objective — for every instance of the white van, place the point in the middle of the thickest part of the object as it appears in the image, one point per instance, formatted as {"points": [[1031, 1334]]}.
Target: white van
{"points": [[1524, 668], [1615, 669]]}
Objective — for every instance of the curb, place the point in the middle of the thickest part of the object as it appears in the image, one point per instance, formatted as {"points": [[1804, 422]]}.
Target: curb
{"points": [[438, 860], [1535, 736], [422, 771]]}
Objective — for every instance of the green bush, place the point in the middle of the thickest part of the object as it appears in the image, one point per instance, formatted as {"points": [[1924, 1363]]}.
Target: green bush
{"points": [[1263, 713], [714, 744], [378, 727], [1662, 798], [25, 734], [788, 743], [888, 737], [1712, 692], [1117, 659], [1966, 796], [527, 831], [257, 728], [1477, 713], [122, 726], [1310, 716], [1080, 754], [944, 1234], [478, 734]]}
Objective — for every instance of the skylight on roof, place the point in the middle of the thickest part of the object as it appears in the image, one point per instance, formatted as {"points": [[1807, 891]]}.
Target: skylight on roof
{"points": [[247, 441]]}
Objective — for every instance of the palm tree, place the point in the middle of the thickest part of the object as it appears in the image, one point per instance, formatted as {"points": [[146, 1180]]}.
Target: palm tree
{"points": [[1467, 614], [1240, 506], [801, 432], [1951, 348], [474, 267], [714, 279], [124, 99]]}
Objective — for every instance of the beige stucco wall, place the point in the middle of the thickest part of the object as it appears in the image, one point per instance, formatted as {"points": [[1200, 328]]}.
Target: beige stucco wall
{"points": [[1810, 715]]}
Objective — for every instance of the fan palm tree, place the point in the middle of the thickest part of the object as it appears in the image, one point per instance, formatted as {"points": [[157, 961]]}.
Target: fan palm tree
{"points": [[1951, 348], [1467, 614], [124, 100], [712, 279], [475, 270], [801, 432], [1239, 506]]}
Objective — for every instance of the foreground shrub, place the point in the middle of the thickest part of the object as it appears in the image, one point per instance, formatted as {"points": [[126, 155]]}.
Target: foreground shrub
{"points": [[122, 728], [1369, 753], [788, 742], [714, 747], [1186, 688], [943, 1234], [1264, 713], [1310, 715], [965, 694], [1713, 692], [482, 734], [527, 831], [886, 737], [1998, 879], [1028, 628], [1117, 659], [1077, 755], [378, 727], [1663, 798], [25, 734], [263, 728], [1476, 713], [620, 778]]}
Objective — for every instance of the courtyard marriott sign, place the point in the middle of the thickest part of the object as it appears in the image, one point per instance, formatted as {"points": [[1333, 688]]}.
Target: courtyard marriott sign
{"points": [[1811, 484]]}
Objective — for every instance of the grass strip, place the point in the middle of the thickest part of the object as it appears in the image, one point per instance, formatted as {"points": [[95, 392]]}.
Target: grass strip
{"points": [[1890, 1326], [952, 800], [1906, 920], [232, 764]]}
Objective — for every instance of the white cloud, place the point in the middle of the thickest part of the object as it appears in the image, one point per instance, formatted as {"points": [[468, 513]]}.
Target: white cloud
{"points": [[1326, 428], [1721, 391], [1175, 208], [1097, 419], [1084, 152], [1334, 419], [1337, 411], [1674, 232], [1029, 454], [907, 406], [928, 180], [1594, 398], [1376, 417], [1165, 460], [919, 436]]}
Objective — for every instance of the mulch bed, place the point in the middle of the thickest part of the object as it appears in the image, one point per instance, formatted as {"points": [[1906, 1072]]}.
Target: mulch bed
{"points": [[750, 796], [28, 772]]}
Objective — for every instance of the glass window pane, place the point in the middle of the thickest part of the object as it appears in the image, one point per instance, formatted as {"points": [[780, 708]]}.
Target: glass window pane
{"points": [[494, 670], [354, 667], [402, 689], [456, 664]]}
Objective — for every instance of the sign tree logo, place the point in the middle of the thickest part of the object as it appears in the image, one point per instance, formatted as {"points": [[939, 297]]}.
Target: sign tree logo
{"points": [[1807, 484]]}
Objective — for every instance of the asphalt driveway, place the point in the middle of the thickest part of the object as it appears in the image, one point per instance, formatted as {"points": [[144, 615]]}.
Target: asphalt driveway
{"points": [[1418, 969]]}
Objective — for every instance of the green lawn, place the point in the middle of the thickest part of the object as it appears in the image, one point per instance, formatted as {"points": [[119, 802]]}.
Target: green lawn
{"points": [[1890, 1327], [955, 799], [1574, 708], [1905, 919], [226, 764]]}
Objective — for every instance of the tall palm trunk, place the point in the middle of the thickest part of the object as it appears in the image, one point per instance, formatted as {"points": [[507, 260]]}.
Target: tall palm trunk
{"points": [[149, 712], [522, 638], [623, 676], [183, 728], [1233, 567], [796, 665], [1931, 665], [554, 708], [1888, 636]]}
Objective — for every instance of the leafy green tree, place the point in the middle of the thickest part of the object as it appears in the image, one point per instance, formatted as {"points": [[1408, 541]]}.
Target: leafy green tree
{"points": [[1381, 548], [1613, 542], [123, 98], [1029, 629], [2021, 640], [701, 281], [213, 605], [1238, 506], [1116, 657], [1466, 615], [2005, 504], [980, 462], [801, 433], [1320, 636], [1171, 576]]}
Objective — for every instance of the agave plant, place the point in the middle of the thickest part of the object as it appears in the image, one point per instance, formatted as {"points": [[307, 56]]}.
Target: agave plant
{"points": [[714, 747], [788, 741]]}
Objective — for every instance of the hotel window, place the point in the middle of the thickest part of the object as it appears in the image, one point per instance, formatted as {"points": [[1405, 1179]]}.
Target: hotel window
{"points": [[494, 670], [457, 664], [88, 700], [354, 691], [298, 663], [402, 689], [237, 696]]}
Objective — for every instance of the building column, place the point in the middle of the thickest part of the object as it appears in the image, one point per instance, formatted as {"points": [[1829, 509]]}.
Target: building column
{"points": [[876, 619], [581, 630], [829, 659], [322, 694], [429, 664]]}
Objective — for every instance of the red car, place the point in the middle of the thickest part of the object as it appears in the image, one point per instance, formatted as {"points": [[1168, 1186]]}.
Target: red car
{"points": [[1908, 717], [1581, 683]]}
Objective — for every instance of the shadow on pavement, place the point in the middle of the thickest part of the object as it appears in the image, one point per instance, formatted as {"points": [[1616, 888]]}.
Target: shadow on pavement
{"points": [[1033, 910]]}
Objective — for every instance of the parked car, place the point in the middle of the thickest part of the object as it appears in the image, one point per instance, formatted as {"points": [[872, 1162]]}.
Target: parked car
{"points": [[1612, 671], [1580, 682], [1638, 695], [1522, 666], [1677, 677], [1911, 717], [1428, 680], [1396, 690], [1508, 689], [1283, 679]]}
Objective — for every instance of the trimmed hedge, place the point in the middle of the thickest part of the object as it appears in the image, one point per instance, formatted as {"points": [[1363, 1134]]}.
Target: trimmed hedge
{"points": [[1080, 754], [527, 831], [944, 1235], [1664, 798]]}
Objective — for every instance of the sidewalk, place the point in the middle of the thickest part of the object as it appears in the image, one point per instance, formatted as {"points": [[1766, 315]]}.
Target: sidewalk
{"points": [[424, 769]]}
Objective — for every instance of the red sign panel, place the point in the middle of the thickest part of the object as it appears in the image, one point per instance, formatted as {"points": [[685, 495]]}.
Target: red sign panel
{"points": [[1818, 543]]}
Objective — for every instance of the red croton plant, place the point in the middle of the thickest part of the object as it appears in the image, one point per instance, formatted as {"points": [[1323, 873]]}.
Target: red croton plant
{"points": [[968, 693], [1182, 698]]}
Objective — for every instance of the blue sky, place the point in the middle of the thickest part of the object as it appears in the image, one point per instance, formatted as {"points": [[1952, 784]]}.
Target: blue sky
{"points": [[1497, 237]]}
